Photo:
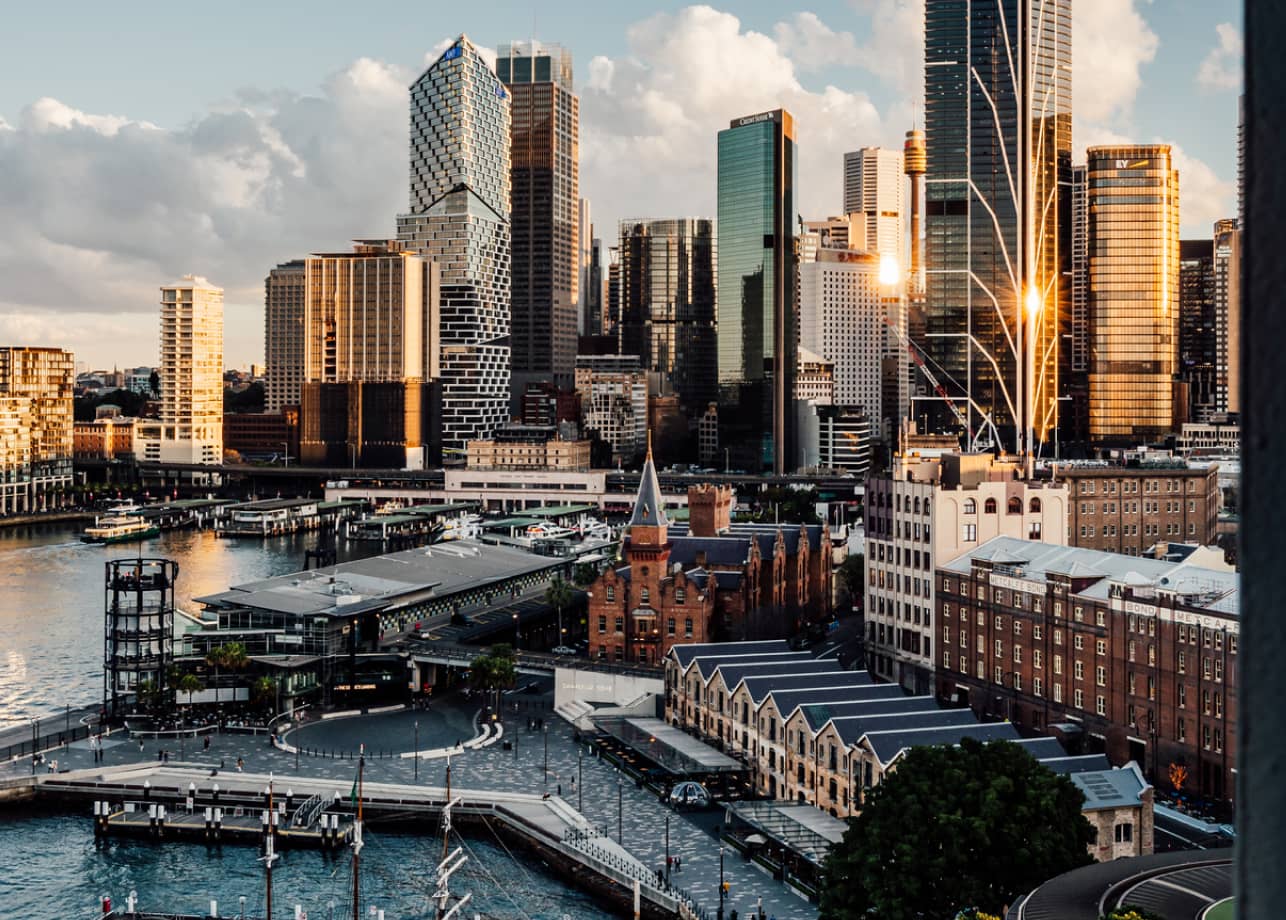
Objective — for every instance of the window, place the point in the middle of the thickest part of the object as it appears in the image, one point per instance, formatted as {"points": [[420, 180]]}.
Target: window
{"points": [[620, 624], [1000, 648], [611, 594], [1014, 505], [669, 626], [1182, 731], [643, 596], [1034, 505], [1036, 659], [1078, 699], [970, 506], [680, 595], [1036, 630], [1058, 664], [1078, 669], [1100, 704], [964, 665], [1078, 642], [602, 624], [1018, 681], [1000, 676], [1100, 647], [1000, 623], [1100, 618], [1129, 654], [687, 628], [989, 506], [981, 669], [969, 533], [1124, 833], [1018, 654], [1152, 654], [946, 634], [1100, 676], [1018, 627], [1038, 687], [1058, 637], [1183, 696], [1058, 693], [964, 639]]}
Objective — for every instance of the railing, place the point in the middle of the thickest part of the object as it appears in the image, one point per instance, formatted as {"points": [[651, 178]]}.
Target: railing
{"points": [[466, 653]]}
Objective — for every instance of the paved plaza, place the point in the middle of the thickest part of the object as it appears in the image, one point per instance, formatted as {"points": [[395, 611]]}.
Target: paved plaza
{"points": [[642, 818]]}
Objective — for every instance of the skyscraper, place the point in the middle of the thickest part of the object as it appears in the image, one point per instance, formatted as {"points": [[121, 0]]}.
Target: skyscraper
{"points": [[191, 373], [1228, 315], [585, 301], [1134, 292], [874, 187], [757, 334], [283, 339], [370, 355], [997, 208], [667, 304], [1198, 327], [841, 317], [1074, 417], [545, 213], [460, 218], [35, 426]]}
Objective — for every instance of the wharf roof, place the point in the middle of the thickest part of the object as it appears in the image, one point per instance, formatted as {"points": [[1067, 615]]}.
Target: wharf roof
{"points": [[384, 582], [708, 664], [676, 751], [684, 654], [511, 522], [1120, 788], [554, 511], [1068, 765], [760, 687], [733, 674], [1208, 589], [887, 745], [852, 728], [275, 504], [819, 706]]}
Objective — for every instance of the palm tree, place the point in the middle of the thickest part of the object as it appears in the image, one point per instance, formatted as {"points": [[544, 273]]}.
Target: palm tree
{"points": [[559, 595], [264, 690], [230, 656], [189, 683]]}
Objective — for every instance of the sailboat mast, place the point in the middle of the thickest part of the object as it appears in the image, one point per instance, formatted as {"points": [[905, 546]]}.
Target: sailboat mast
{"points": [[269, 855], [357, 834], [446, 827]]}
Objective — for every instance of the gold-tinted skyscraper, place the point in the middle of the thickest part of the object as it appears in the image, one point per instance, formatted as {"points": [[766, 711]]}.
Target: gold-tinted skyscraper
{"points": [[35, 427], [1133, 199]]}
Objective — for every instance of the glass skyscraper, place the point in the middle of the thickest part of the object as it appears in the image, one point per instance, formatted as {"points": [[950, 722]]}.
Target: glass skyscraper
{"points": [[757, 336], [667, 304], [545, 214], [1134, 292], [460, 218], [997, 211]]}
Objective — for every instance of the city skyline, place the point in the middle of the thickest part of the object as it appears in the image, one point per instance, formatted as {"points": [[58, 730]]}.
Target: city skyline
{"points": [[254, 186]]}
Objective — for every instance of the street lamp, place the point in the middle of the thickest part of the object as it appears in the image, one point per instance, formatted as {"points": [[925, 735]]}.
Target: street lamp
{"points": [[620, 811], [721, 883], [545, 732], [35, 742], [517, 634], [417, 750], [580, 780], [667, 848]]}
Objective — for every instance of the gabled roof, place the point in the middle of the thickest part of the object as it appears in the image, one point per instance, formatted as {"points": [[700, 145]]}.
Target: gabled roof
{"points": [[760, 687], [852, 728], [1111, 788], [649, 511], [729, 551], [820, 706], [734, 671], [684, 654], [889, 745], [1042, 748], [1069, 765]]}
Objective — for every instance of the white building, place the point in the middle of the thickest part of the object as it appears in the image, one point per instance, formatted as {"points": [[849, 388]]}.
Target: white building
{"points": [[613, 400], [928, 512], [873, 184], [841, 318], [191, 371]]}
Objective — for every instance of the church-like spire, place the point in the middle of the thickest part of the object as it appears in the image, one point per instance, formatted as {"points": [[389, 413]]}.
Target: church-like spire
{"points": [[648, 508]]}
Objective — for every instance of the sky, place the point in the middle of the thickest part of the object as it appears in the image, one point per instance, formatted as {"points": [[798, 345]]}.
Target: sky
{"points": [[143, 141]]}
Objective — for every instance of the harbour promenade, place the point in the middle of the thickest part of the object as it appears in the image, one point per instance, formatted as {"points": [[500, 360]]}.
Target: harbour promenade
{"points": [[606, 812]]}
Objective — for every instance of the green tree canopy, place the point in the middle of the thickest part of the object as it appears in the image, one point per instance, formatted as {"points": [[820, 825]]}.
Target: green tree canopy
{"points": [[784, 506], [189, 683], [956, 827], [496, 670], [852, 574]]}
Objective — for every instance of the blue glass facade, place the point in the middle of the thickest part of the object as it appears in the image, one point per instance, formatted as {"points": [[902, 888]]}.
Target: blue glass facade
{"points": [[757, 336]]}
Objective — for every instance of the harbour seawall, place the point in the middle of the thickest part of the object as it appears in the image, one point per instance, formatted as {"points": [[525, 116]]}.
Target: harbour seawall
{"points": [[52, 517]]}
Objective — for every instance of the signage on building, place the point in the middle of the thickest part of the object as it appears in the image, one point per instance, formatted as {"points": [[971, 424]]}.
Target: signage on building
{"points": [[755, 119], [1016, 584]]}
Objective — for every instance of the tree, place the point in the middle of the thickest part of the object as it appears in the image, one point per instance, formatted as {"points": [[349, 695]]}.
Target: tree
{"points": [[558, 595], [852, 575], [189, 683], [230, 656], [584, 575], [785, 506], [264, 691], [495, 671], [990, 824]]}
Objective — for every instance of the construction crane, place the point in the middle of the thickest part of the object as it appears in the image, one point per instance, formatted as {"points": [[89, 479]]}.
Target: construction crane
{"points": [[938, 388]]}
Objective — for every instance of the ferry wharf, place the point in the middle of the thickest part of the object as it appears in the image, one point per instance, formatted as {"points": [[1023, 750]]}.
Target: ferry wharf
{"points": [[170, 801]]}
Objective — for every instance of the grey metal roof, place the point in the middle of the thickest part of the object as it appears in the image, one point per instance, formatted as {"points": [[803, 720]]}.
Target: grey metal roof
{"points": [[1042, 748], [733, 674], [730, 551], [707, 665], [852, 728], [887, 745], [649, 511], [871, 699], [1068, 765], [1110, 788], [803, 828], [760, 687], [684, 654]]}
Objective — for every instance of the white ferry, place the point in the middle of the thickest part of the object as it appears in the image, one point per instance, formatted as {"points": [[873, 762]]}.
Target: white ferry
{"points": [[119, 528]]}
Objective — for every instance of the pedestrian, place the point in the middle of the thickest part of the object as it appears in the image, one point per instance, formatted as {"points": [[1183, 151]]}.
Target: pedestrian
{"points": [[240, 763], [560, 788], [206, 743], [165, 756], [140, 745]]}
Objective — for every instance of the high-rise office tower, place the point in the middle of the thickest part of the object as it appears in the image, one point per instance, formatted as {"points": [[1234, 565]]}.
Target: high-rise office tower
{"points": [[667, 304], [283, 335], [371, 353], [757, 336], [1198, 327], [1074, 414], [35, 427], [1228, 315], [592, 291], [998, 130], [915, 163], [191, 372], [459, 217], [873, 187], [842, 312], [1134, 292], [545, 214], [612, 324]]}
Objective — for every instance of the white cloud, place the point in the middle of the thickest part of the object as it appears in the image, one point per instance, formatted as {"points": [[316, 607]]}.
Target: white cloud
{"points": [[650, 119], [894, 51], [1203, 196], [813, 45], [1111, 42], [1221, 68]]}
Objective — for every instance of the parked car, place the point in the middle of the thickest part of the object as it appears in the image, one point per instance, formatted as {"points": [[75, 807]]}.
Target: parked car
{"points": [[563, 650]]}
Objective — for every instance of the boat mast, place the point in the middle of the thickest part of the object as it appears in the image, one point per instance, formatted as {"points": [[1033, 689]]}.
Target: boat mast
{"points": [[451, 861], [269, 852], [357, 833]]}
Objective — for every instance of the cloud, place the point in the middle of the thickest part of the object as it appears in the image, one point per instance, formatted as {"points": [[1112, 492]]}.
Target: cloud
{"points": [[1221, 68], [894, 52], [1203, 196], [650, 118], [813, 45], [97, 211], [1111, 44]]}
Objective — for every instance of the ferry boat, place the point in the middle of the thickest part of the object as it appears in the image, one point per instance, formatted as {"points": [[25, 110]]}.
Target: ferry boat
{"points": [[119, 528]]}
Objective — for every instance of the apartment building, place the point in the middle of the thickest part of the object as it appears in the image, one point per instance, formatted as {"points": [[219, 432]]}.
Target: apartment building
{"points": [[1126, 509]]}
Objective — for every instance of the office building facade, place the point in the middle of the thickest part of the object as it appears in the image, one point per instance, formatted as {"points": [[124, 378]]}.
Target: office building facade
{"points": [[1198, 328], [1134, 292], [874, 188], [1227, 261], [842, 313], [614, 403], [459, 217], [1130, 509], [191, 372], [997, 208], [757, 332], [36, 427], [545, 211], [668, 304], [283, 339]]}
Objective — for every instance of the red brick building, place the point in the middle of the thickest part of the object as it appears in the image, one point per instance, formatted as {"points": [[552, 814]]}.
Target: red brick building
{"points": [[1133, 657], [708, 581], [1127, 509]]}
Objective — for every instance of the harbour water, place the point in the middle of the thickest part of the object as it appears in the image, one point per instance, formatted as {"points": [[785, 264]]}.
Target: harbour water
{"points": [[51, 601], [52, 867]]}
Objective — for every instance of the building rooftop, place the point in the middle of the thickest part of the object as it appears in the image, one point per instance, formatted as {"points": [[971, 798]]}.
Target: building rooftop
{"points": [[820, 706], [734, 674], [384, 582], [887, 745], [1120, 788], [760, 686], [685, 654], [851, 728], [649, 507]]}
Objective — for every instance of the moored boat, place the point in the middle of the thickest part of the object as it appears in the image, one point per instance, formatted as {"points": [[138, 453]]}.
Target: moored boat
{"points": [[122, 528]]}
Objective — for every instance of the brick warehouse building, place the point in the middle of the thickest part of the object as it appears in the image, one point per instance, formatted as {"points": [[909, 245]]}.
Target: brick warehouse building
{"points": [[1126, 509], [1135, 657], [711, 580]]}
